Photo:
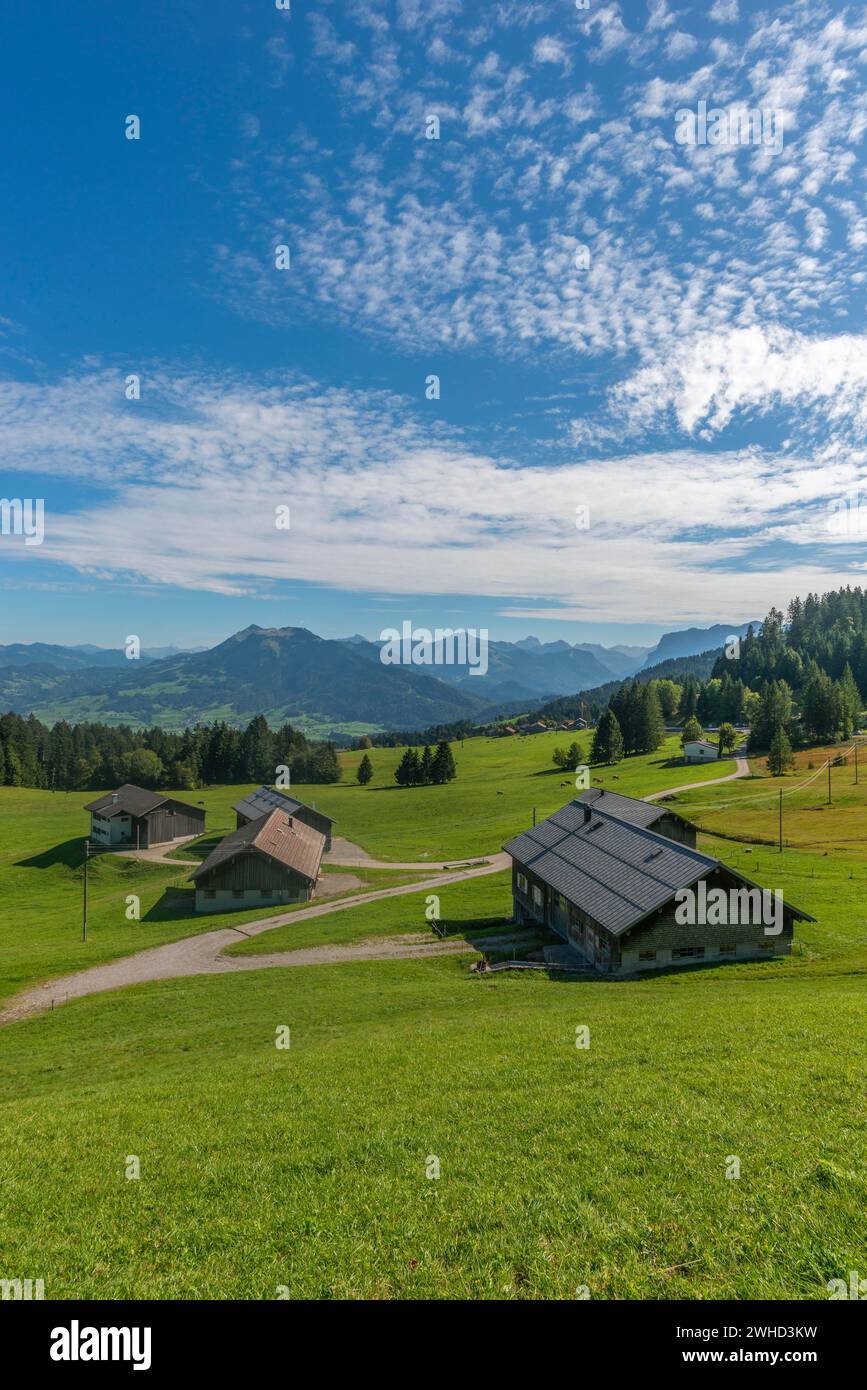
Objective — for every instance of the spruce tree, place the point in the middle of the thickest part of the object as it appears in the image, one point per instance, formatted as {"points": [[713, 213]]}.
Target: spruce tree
{"points": [[607, 740], [426, 766], [780, 756], [443, 769], [365, 771]]}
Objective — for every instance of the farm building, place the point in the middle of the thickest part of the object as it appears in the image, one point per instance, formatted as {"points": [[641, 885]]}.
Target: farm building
{"points": [[273, 859], [133, 816], [698, 750], [267, 799], [649, 815], [609, 886]]}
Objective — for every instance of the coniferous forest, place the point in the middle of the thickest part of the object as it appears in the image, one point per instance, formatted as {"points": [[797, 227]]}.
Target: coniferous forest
{"points": [[72, 757]]}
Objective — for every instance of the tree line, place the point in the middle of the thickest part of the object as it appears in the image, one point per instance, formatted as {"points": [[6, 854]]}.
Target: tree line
{"points": [[85, 756], [430, 768]]}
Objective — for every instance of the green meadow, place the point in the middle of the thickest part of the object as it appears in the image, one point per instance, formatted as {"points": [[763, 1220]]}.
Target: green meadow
{"points": [[499, 783], [312, 1169]]}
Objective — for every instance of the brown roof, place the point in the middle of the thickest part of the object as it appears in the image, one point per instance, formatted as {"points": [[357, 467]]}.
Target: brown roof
{"points": [[281, 837]]}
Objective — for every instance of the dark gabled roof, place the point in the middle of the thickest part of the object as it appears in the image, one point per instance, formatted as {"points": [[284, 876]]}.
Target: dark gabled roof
{"points": [[131, 801], [626, 808], [266, 799], [290, 842], [616, 872]]}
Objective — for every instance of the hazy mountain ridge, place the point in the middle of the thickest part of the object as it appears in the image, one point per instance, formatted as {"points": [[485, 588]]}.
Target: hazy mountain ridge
{"points": [[293, 674]]}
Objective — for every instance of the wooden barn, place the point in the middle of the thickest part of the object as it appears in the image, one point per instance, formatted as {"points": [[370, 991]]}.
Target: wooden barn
{"points": [[615, 892], [133, 817], [273, 859], [649, 815], [267, 799]]}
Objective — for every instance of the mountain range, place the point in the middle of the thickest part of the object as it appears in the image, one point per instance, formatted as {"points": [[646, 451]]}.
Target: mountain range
{"points": [[325, 686]]}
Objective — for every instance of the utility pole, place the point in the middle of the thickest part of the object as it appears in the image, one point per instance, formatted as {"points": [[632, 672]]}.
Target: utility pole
{"points": [[84, 918], [781, 820], [534, 815], [829, 779]]}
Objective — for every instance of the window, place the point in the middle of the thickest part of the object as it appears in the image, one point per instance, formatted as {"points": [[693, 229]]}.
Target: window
{"points": [[537, 896], [210, 893], [522, 883], [647, 955], [728, 949], [681, 951], [237, 892]]}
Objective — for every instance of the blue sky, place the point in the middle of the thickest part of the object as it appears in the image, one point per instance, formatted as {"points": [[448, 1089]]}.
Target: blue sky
{"points": [[697, 377]]}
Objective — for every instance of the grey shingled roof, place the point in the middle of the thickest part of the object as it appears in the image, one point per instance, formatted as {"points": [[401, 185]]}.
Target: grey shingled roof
{"points": [[131, 801], [616, 872], [643, 813], [290, 842], [266, 799]]}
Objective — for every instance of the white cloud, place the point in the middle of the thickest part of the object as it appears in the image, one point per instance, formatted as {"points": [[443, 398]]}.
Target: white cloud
{"points": [[680, 45], [724, 11], [185, 492], [711, 377], [551, 50]]}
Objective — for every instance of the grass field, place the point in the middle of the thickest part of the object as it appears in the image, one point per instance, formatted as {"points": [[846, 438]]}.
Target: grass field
{"points": [[749, 809], [499, 782], [559, 1167]]}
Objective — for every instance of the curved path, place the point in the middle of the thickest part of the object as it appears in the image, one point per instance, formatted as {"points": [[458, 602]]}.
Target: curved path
{"points": [[203, 955], [743, 770]]}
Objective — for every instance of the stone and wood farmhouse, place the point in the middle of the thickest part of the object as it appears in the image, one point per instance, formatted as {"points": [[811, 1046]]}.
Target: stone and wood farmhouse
{"points": [[597, 875], [272, 859], [268, 799], [133, 817]]}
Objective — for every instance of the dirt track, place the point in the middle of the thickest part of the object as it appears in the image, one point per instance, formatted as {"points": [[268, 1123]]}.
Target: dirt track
{"points": [[203, 955]]}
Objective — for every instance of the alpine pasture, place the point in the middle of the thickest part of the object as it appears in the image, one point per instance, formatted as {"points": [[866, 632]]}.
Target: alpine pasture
{"points": [[311, 1168]]}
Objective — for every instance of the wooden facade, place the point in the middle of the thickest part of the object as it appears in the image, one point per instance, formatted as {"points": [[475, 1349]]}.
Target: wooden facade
{"points": [[656, 943]]}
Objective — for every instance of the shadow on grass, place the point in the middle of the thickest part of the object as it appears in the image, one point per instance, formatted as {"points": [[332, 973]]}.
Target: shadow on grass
{"points": [[198, 850], [70, 854], [174, 905]]}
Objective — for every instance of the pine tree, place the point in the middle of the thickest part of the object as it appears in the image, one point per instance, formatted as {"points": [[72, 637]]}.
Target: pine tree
{"points": [[426, 765], [607, 740], [443, 769], [651, 725], [365, 771], [258, 763], [780, 756], [324, 764], [403, 771]]}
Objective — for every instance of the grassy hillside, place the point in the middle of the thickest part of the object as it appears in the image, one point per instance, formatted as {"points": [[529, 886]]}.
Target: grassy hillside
{"points": [[41, 848], [499, 782], [559, 1167], [749, 810]]}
